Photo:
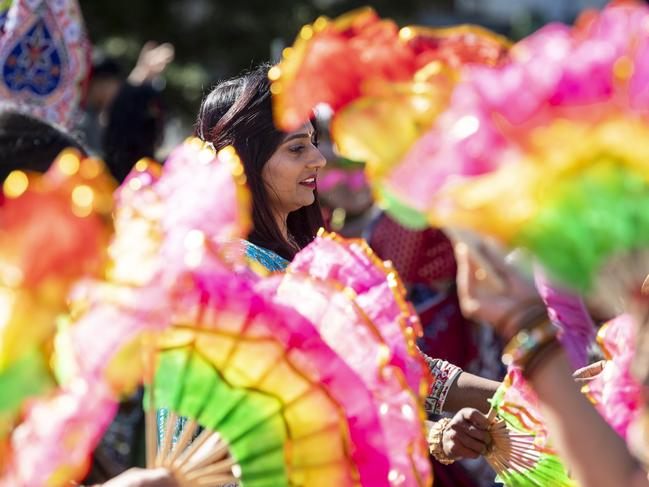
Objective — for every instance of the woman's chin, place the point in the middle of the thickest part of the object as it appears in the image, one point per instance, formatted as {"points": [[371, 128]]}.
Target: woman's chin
{"points": [[308, 200]]}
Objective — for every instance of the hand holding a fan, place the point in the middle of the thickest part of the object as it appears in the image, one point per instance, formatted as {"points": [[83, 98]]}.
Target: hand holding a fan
{"points": [[138, 477], [489, 289], [466, 435]]}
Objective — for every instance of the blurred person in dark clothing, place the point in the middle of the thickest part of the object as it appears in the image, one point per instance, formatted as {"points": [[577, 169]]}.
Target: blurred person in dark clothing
{"points": [[135, 128], [108, 80]]}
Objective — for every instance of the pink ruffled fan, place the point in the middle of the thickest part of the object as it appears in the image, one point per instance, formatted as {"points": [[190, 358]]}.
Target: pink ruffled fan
{"points": [[52, 444], [345, 328], [617, 395], [228, 336], [97, 362], [378, 292]]}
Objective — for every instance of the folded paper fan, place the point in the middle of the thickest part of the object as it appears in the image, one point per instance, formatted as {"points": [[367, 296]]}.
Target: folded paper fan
{"points": [[229, 352], [379, 293], [385, 95], [97, 363], [57, 435], [337, 61], [617, 395], [53, 230], [346, 328], [520, 452], [545, 158], [278, 405]]}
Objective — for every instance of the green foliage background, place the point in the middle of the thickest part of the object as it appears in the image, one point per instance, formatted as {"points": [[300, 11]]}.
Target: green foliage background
{"points": [[216, 39]]}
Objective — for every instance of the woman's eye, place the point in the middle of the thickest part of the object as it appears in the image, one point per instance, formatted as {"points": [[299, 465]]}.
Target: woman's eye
{"points": [[296, 148]]}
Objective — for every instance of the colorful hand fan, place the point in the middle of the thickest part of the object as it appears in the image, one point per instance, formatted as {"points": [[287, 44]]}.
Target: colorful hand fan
{"points": [[520, 453], [379, 293], [100, 362], [65, 208], [337, 61], [385, 94], [617, 395], [286, 407], [226, 355], [564, 151]]}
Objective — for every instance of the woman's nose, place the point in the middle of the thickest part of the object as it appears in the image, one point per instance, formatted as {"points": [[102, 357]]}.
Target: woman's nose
{"points": [[318, 161]]}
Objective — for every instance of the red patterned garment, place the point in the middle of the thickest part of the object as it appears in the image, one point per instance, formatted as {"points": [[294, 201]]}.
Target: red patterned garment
{"points": [[426, 264]]}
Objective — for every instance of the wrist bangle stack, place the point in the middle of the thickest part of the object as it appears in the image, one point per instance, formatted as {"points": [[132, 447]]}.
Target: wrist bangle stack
{"points": [[527, 343], [526, 312], [435, 444]]}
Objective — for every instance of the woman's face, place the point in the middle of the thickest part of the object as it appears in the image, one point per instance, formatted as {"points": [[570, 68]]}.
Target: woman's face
{"points": [[290, 175]]}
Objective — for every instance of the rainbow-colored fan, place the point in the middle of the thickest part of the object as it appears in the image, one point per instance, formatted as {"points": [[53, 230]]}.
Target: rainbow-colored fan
{"points": [[386, 85], [276, 401], [520, 452], [552, 160], [96, 363], [68, 208]]}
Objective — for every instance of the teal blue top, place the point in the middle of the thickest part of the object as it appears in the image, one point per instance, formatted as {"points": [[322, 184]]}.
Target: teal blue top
{"points": [[269, 259]]}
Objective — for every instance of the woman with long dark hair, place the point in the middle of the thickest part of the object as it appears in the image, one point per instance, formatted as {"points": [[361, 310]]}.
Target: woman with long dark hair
{"points": [[281, 168], [282, 173]]}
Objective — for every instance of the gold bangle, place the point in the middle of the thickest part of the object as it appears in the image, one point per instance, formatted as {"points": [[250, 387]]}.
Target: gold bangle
{"points": [[528, 311], [524, 345], [435, 445], [539, 356]]}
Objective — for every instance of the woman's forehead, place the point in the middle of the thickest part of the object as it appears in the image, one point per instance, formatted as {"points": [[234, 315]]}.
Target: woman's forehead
{"points": [[306, 128]]}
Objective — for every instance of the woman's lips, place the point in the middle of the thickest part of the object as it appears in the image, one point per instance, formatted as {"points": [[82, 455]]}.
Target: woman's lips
{"points": [[309, 182]]}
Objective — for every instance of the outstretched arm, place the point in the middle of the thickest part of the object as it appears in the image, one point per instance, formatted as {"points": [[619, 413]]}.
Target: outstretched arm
{"points": [[452, 389], [596, 455], [470, 391]]}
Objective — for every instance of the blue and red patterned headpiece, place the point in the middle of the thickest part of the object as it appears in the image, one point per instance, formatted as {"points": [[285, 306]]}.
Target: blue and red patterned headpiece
{"points": [[44, 58]]}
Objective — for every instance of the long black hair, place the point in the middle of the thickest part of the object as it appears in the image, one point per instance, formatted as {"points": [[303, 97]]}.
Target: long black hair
{"points": [[238, 112]]}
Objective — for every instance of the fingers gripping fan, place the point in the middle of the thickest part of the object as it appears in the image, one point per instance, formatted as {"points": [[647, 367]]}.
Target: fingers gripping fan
{"points": [[248, 392]]}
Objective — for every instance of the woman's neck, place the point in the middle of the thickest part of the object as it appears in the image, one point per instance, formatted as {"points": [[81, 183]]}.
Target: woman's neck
{"points": [[280, 219]]}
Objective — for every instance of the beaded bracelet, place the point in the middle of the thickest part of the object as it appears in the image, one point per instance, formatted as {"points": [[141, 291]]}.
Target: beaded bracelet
{"points": [[526, 343], [435, 445]]}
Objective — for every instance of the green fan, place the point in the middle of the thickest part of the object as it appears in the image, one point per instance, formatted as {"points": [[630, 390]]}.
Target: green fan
{"points": [[519, 452]]}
